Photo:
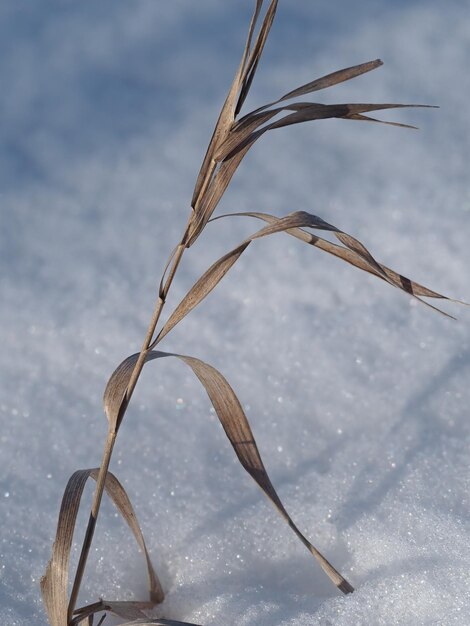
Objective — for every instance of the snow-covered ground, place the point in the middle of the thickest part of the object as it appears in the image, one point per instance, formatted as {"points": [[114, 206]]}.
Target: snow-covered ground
{"points": [[357, 396]]}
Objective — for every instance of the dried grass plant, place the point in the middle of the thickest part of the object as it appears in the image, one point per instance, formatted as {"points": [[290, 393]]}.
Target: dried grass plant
{"points": [[233, 136]]}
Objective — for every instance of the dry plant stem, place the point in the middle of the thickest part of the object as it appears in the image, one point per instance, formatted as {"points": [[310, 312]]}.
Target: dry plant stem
{"points": [[205, 183], [112, 433], [100, 483]]}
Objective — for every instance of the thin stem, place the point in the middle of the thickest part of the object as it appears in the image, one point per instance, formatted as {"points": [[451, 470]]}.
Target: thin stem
{"points": [[100, 484], [196, 215], [111, 438]]}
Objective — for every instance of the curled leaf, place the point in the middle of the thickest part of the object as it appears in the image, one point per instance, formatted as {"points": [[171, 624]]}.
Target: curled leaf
{"points": [[128, 610], [202, 288], [353, 252], [238, 431], [241, 83], [356, 254], [55, 580]]}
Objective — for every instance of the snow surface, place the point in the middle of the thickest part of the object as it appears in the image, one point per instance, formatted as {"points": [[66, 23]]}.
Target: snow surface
{"points": [[358, 397]]}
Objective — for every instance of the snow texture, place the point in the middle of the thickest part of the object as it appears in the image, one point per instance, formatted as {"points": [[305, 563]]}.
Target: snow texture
{"points": [[357, 395]]}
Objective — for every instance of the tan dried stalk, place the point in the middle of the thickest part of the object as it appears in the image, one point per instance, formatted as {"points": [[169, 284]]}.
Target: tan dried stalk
{"points": [[233, 136]]}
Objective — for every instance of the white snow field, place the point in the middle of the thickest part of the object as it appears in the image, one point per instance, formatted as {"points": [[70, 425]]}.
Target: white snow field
{"points": [[358, 396]]}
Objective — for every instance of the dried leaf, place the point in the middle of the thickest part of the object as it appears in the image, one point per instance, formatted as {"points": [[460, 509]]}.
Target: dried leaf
{"points": [[402, 282], [127, 610], [329, 80], [237, 429], [226, 117], [316, 111], [243, 136], [211, 184], [202, 288], [367, 118], [232, 139], [255, 56], [54, 583], [356, 255], [213, 194], [159, 622]]}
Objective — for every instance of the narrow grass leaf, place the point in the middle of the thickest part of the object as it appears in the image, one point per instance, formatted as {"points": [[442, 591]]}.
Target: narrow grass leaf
{"points": [[118, 495], [244, 136], [214, 193], [323, 111], [329, 80], [159, 622], [226, 117], [128, 610], [252, 64], [54, 583], [125, 609], [55, 579], [367, 118], [202, 288], [349, 256], [238, 431], [356, 254], [218, 270]]}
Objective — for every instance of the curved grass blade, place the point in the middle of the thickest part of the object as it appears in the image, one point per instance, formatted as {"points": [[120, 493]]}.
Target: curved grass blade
{"points": [[332, 79], [159, 622], [202, 288], [329, 80], [356, 256], [238, 431], [255, 56], [367, 118], [347, 255], [217, 271], [245, 134], [231, 150], [54, 583], [226, 117], [128, 610], [118, 495], [55, 579], [213, 193]]}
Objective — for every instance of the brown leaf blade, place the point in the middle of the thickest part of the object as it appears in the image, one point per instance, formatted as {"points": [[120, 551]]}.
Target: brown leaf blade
{"points": [[213, 194], [128, 610], [54, 583], [334, 78], [125, 609], [202, 288], [118, 495], [219, 269], [55, 579], [355, 254], [227, 114], [329, 80], [252, 64], [159, 622], [238, 431], [244, 134]]}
